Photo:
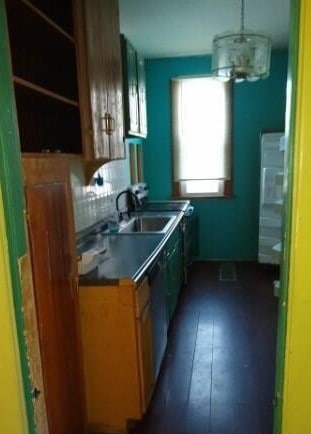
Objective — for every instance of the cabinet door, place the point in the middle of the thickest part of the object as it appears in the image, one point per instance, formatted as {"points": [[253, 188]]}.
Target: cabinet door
{"points": [[50, 236], [111, 39], [97, 59], [142, 96], [132, 89], [144, 332], [174, 266], [172, 292], [191, 235], [100, 78]]}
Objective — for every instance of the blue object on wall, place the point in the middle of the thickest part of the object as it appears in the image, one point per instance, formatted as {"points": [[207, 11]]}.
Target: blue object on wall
{"points": [[228, 228]]}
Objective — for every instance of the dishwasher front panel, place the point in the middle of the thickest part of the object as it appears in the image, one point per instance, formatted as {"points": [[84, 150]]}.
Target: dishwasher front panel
{"points": [[158, 314]]}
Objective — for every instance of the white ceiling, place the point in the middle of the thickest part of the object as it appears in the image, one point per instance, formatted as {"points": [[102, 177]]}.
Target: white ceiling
{"points": [[167, 28]]}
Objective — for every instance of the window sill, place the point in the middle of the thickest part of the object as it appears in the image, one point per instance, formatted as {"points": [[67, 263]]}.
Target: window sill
{"points": [[201, 196], [224, 193]]}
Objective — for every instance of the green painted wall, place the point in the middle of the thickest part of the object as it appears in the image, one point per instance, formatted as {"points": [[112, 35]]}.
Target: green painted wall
{"points": [[228, 228]]}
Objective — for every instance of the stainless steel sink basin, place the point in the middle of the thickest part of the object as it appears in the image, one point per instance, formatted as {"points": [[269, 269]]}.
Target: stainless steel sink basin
{"points": [[147, 224]]}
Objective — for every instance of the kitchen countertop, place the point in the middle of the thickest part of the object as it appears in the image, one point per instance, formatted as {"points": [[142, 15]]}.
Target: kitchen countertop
{"points": [[128, 256]]}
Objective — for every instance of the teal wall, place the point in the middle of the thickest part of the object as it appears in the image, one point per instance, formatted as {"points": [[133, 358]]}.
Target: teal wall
{"points": [[228, 228]]}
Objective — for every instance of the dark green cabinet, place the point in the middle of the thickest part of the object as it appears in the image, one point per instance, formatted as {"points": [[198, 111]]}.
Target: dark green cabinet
{"points": [[173, 265], [190, 242], [142, 102], [134, 91]]}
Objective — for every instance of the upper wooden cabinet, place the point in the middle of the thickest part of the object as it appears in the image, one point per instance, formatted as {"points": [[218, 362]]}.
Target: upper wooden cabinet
{"points": [[67, 72], [43, 56], [130, 84], [134, 87], [100, 78]]}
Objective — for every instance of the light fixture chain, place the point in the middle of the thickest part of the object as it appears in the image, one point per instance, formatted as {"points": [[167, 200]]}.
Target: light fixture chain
{"points": [[242, 16]]}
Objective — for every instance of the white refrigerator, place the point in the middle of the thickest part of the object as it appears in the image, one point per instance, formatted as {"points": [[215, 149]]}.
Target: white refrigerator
{"points": [[271, 197]]}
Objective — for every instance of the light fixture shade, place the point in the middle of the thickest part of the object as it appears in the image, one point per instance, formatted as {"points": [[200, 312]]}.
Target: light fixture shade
{"points": [[244, 55]]}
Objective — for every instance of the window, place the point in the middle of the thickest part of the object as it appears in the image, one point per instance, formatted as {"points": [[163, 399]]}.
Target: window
{"points": [[202, 125]]}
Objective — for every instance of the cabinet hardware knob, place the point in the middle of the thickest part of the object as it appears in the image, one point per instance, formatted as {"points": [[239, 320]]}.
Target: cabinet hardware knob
{"points": [[112, 125], [109, 124], [105, 120]]}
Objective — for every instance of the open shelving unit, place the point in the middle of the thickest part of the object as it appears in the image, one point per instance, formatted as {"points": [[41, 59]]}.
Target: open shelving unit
{"points": [[43, 55]]}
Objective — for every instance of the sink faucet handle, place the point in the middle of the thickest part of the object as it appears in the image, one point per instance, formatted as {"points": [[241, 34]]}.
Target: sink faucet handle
{"points": [[120, 213], [134, 201]]}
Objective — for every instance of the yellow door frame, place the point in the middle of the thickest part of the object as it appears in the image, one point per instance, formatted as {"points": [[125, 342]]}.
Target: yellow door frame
{"points": [[297, 378], [13, 418]]}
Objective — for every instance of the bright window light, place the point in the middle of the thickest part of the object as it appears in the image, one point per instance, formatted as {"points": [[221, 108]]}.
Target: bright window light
{"points": [[201, 109]]}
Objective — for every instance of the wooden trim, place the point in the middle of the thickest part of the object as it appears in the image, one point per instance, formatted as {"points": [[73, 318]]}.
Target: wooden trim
{"points": [[33, 344], [133, 163], [60, 155], [44, 91], [140, 163], [91, 166], [176, 189], [228, 188], [43, 170], [142, 297], [48, 20]]}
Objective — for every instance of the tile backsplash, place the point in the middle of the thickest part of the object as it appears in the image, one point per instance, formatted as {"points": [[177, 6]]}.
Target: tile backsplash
{"points": [[93, 203]]}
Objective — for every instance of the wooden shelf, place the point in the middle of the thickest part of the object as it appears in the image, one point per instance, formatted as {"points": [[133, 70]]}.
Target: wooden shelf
{"points": [[48, 20], [60, 155], [44, 91], [41, 54], [46, 124]]}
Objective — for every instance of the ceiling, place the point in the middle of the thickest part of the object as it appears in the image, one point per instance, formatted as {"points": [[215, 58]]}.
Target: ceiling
{"points": [[167, 28]]}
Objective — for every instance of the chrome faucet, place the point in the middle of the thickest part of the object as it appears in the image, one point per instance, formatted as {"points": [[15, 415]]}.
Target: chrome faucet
{"points": [[128, 195]]}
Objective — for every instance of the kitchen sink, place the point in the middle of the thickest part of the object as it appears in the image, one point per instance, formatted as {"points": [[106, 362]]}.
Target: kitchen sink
{"points": [[147, 224]]}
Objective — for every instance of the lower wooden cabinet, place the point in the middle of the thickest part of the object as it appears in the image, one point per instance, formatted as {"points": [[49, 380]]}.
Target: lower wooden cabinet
{"points": [[51, 239], [117, 352]]}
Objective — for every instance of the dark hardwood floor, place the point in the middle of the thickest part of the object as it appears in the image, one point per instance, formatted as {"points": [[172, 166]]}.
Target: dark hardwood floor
{"points": [[218, 373]]}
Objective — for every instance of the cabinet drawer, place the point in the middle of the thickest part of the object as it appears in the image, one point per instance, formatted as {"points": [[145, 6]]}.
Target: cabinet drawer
{"points": [[142, 297]]}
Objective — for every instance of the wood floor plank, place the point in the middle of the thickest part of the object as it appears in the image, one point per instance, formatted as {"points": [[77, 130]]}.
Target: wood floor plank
{"points": [[218, 371]]}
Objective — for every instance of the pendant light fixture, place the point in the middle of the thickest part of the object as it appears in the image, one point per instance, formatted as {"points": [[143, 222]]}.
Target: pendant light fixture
{"points": [[244, 55]]}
